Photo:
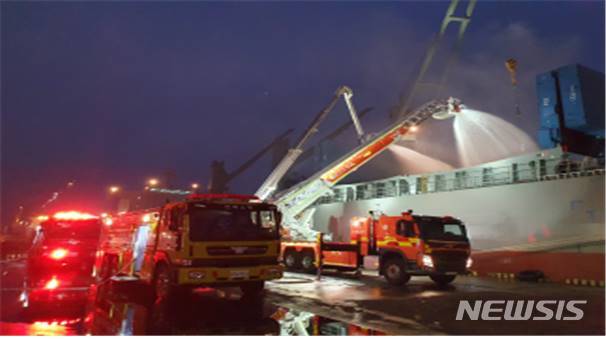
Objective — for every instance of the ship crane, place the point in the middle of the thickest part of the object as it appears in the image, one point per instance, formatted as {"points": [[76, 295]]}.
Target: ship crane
{"points": [[294, 202], [220, 178], [270, 184]]}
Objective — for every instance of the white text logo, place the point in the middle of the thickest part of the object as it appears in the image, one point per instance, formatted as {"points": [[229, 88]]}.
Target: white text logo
{"points": [[520, 310]]}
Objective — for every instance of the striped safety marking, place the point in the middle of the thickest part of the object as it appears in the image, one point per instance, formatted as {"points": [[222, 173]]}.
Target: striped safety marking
{"points": [[394, 243], [584, 282]]}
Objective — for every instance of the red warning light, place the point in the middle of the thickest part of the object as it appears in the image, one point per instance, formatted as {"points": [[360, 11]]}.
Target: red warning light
{"points": [[73, 215], [59, 253], [52, 284]]}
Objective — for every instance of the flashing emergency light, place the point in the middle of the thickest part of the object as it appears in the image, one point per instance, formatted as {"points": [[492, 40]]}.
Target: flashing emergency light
{"points": [[52, 284], [73, 215], [59, 253], [42, 217]]}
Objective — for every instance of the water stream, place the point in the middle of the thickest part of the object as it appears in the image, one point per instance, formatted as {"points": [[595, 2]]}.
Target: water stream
{"points": [[482, 137], [413, 162]]}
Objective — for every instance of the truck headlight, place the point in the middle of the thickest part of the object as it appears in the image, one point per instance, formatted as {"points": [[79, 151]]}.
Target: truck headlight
{"points": [[427, 261], [469, 263], [196, 275]]}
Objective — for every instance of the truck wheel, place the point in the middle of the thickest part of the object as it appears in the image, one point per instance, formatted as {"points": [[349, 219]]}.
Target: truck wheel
{"points": [[291, 260], [395, 272], [308, 262], [165, 290], [164, 285], [162, 282], [443, 279]]}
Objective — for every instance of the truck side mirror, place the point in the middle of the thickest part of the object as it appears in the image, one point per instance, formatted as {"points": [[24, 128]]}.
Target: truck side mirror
{"points": [[279, 218], [175, 219]]}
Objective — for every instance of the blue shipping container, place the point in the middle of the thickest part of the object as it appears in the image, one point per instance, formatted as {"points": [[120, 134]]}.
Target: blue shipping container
{"points": [[582, 94], [582, 91]]}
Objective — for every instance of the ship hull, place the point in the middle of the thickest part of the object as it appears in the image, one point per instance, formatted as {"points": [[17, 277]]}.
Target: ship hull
{"points": [[553, 226]]}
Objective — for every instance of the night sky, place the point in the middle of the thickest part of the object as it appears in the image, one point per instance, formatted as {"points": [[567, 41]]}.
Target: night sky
{"points": [[116, 92]]}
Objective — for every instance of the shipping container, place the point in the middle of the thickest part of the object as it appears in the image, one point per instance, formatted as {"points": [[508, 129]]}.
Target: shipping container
{"points": [[582, 93]]}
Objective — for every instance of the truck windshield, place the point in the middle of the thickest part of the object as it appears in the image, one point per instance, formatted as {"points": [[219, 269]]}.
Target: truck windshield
{"points": [[442, 231], [226, 223]]}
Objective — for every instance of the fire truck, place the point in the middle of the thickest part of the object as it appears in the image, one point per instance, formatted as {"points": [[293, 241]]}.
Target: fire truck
{"points": [[60, 261], [398, 246], [206, 240], [296, 204]]}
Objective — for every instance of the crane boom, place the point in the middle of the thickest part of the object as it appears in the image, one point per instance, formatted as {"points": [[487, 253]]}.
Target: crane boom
{"points": [[332, 135], [451, 16], [354, 115], [297, 199], [220, 178], [270, 184], [258, 155]]}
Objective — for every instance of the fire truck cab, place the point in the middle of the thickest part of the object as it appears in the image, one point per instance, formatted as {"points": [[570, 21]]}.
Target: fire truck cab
{"points": [[208, 240], [401, 246], [409, 245], [60, 261]]}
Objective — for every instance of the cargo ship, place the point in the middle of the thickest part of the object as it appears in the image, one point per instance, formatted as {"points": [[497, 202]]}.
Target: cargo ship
{"points": [[540, 212]]}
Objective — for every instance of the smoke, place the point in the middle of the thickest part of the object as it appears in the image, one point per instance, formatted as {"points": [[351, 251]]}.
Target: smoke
{"points": [[479, 78]]}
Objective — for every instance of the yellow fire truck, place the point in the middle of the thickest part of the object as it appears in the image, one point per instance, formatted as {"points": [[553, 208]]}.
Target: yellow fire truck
{"points": [[207, 240]]}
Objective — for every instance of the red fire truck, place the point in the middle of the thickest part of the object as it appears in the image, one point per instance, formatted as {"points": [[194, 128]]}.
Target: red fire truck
{"points": [[405, 245], [60, 262]]}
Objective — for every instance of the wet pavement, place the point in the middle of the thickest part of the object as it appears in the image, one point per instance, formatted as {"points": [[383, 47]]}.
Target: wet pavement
{"points": [[338, 304], [206, 311], [421, 307]]}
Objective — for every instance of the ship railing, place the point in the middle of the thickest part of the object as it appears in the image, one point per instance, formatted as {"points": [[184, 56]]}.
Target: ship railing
{"points": [[516, 173], [574, 174]]}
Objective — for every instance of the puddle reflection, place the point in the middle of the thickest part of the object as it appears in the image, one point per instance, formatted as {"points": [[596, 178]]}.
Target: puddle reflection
{"points": [[300, 323], [206, 312]]}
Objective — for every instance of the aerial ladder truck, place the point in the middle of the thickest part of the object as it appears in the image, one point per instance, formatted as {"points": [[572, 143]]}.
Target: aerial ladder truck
{"points": [[403, 243]]}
